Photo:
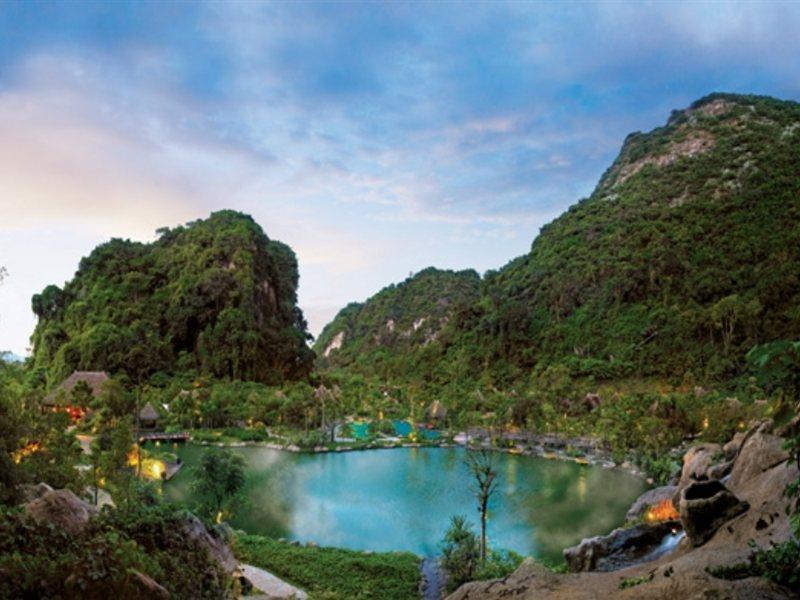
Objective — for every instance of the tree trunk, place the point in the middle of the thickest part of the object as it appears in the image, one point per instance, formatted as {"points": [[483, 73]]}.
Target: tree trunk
{"points": [[483, 532]]}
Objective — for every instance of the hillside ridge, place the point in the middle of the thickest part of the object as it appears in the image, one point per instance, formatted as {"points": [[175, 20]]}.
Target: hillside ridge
{"points": [[682, 258], [216, 297]]}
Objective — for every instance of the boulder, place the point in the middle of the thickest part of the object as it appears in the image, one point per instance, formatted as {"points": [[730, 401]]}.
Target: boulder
{"points": [[697, 461], [195, 531], [648, 499], [619, 549], [704, 507], [731, 449], [31, 492], [760, 452], [720, 470], [63, 509]]}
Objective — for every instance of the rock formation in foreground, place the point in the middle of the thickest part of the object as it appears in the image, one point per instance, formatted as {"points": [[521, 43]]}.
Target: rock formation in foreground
{"points": [[720, 516]]}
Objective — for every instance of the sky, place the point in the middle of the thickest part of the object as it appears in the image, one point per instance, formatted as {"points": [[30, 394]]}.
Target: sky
{"points": [[375, 139]]}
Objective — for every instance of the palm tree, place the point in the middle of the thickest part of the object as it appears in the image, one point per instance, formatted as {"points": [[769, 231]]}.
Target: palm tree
{"points": [[481, 465]]}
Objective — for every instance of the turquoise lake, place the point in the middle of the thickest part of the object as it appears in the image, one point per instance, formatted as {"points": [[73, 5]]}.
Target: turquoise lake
{"points": [[402, 499]]}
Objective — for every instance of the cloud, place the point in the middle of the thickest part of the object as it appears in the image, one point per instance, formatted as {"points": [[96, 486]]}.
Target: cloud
{"points": [[375, 139]]}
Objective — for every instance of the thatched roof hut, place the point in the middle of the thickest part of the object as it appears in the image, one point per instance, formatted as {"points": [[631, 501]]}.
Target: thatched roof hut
{"points": [[148, 416], [436, 411], [94, 379]]}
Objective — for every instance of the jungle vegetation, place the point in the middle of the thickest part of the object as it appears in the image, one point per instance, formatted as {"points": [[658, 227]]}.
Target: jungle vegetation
{"points": [[214, 297], [683, 259]]}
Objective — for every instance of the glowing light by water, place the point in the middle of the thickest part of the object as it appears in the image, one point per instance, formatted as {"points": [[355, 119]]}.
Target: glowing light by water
{"points": [[663, 511]]}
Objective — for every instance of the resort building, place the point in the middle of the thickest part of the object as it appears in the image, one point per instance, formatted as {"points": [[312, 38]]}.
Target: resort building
{"points": [[148, 417], [63, 396], [437, 412]]}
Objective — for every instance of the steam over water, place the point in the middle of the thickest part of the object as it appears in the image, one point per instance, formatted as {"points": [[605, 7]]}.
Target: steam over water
{"points": [[402, 499]]}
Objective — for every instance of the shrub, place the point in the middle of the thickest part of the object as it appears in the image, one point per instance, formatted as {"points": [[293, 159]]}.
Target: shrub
{"points": [[660, 468], [40, 560], [499, 564], [460, 552]]}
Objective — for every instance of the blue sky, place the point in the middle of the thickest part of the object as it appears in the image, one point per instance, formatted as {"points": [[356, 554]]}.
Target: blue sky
{"points": [[375, 139]]}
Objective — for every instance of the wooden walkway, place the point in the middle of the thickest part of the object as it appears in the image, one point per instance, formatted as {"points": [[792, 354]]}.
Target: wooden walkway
{"points": [[179, 436]]}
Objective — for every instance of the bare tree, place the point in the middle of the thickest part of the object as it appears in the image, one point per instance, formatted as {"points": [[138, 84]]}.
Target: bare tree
{"points": [[481, 465]]}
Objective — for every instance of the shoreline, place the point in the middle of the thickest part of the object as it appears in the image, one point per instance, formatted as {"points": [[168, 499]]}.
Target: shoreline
{"points": [[548, 452]]}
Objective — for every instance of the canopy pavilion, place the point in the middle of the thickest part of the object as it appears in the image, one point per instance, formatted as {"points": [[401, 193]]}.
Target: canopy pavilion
{"points": [[148, 417], [63, 396]]}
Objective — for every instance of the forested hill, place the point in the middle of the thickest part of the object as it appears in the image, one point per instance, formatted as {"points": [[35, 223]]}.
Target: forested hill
{"points": [[385, 331], [215, 297], [685, 256]]}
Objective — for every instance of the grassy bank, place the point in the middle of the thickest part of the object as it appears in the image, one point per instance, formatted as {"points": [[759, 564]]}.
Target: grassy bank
{"points": [[335, 573]]}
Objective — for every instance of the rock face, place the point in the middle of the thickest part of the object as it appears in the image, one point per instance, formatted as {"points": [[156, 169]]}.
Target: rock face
{"points": [[217, 548], [760, 452], [648, 499], [705, 506], [63, 509], [697, 461], [622, 547], [731, 449], [31, 492], [756, 480], [532, 581]]}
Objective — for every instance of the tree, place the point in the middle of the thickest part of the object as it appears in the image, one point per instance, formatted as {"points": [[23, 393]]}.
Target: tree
{"points": [[460, 552], [55, 462], [481, 465], [114, 402], [81, 395], [217, 480], [11, 431]]}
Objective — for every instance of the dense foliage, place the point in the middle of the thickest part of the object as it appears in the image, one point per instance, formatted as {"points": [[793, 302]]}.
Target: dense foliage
{"points": [[217, 480], [461, 556], [21, 428], [461, 552], [376, 336], [216, 296], [43, 561], [682, 259], [335, 573]]}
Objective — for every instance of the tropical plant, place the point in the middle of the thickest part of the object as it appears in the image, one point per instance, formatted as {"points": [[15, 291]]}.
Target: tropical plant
{"points": [[481, 465], [461, 552], [217, 480]]}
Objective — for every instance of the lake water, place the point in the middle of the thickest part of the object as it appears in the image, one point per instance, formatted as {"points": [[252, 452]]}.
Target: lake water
{"points": [[402, 499]]}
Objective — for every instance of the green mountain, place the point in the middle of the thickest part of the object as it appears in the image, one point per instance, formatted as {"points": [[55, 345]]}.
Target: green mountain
{"points": [[381, 334], [216, 297], [684, 257]]}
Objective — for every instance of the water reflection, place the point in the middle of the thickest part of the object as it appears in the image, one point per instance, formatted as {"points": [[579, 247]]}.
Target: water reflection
{"points": [[403, 499]]}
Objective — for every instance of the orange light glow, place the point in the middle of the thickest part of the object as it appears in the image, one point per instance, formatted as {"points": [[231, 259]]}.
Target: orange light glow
{"points": [[27, 450], [663, 511], [76, 413], [133, 456]]}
